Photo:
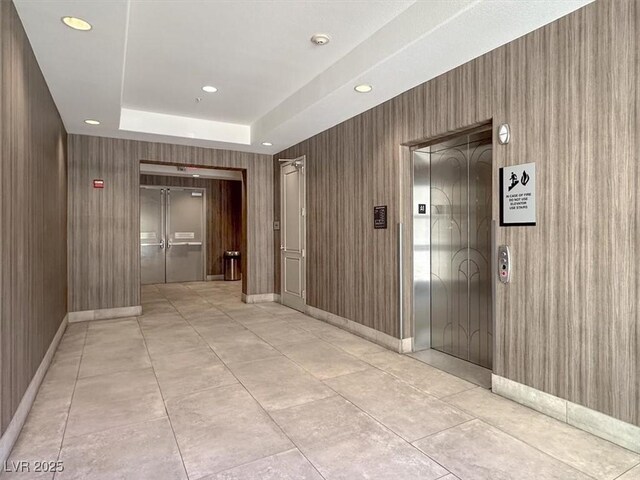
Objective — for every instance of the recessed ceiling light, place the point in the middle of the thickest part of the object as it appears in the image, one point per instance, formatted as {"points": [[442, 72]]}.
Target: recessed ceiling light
{"points": [[195, 175], [92, 122], [209, 89], [267, 144], [76, 23], [363, 88]]}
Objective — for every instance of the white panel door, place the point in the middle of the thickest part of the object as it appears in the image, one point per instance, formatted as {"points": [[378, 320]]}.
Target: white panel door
{"points": [[292, 234]]}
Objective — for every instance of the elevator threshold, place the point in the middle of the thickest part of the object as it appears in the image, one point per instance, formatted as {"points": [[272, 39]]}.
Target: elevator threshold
{"points": [[455, 366]]}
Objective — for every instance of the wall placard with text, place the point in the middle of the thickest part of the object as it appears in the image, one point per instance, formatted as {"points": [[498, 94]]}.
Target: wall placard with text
{"points": [[518, 195]]}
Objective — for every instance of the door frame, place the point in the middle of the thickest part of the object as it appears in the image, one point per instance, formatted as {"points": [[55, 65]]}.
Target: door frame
{"points": [[407, 324], [284, 163], [165, 225]]}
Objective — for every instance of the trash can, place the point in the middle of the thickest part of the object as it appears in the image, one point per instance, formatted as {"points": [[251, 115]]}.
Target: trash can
{"points": [[232, 265]]}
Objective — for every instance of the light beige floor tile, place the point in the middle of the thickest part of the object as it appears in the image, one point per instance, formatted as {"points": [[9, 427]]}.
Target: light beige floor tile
{"points": [[455, 366], [64, 367], [289, 465], [218, 331], [424, 377], [276, 308], [279, 332], [407, 411], [256, 319], [168, 340], [151, 323], [112, 331], [322, 360], [114, 357], [633, 474], [587, 453], [279, 383], [342, 442], [185, 372], [350, 343], [240, 346], [213, 314], [476, 450], [158, 307], [221, 428], [113, 400], [144, 451], [308, 323]]}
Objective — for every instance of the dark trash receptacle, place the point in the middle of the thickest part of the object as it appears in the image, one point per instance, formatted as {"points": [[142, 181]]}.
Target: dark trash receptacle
{"points": [[232, 265]]}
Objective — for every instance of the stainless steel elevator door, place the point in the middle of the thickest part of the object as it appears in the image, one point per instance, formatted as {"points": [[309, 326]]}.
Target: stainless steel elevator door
{"points": [[461, 317], [152, 235], [185, 235]]}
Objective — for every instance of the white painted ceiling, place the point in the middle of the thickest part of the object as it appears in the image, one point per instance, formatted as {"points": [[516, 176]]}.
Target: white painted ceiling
{"points": [[141, 68]]}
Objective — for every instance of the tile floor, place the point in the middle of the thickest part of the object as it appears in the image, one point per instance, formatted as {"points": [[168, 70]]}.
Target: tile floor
{"points": [[202, 386]]}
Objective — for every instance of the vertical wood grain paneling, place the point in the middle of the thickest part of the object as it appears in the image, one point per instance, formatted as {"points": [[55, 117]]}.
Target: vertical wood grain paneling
{"points": [[104, 263], [568, 322], [33, 215], [224, 214]]}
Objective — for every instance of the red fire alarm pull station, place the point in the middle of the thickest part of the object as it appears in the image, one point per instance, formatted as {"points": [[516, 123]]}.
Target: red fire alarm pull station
{"points": [[98, 183]]}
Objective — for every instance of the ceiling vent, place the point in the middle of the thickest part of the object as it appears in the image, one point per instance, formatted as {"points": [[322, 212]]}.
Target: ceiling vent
{"points": [[182, 169]]}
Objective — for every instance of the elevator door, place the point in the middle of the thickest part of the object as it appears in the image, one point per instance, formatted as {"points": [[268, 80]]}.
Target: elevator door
{"points": [[459, 249], [172, 235]]}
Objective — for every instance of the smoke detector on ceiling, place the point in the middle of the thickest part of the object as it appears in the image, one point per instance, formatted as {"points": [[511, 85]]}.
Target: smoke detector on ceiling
{"points": [[320, 39]]}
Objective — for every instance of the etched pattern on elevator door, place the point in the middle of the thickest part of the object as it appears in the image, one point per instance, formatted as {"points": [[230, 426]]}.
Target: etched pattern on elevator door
{"points": [[460, 248]]}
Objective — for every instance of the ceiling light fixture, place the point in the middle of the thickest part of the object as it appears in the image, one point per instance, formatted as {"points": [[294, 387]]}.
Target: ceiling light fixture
{"points": [[76, 23], [363, 88], [267, 144], [209, 89], [195, 175], [92, 122], [320, 39]]}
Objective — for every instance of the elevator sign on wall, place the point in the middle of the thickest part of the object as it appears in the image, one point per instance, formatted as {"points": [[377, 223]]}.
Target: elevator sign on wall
{"points": [[518, 195]]}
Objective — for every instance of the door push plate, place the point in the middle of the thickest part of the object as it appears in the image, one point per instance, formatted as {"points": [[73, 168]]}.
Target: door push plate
{"points": [[504, 264]]}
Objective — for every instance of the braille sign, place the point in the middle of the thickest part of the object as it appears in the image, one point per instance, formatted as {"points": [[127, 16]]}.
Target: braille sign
{"points": [[380, 217]]}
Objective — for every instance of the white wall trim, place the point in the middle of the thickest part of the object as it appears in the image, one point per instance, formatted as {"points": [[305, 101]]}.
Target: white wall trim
{"points": [[211, 278], [11, 434], [592, 421], [371, 334], [105, 314], [261, 298]]}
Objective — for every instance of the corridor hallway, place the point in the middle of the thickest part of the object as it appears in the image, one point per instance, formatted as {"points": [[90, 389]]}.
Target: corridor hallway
{"points": [[205, 386]]}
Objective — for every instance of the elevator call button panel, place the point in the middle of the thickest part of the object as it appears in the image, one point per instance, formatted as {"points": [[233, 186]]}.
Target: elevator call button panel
{"points": [[504, 264]]}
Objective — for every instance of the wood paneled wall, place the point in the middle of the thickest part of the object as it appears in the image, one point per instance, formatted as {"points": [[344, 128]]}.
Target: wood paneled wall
{"points": [[568, 322], [224, 214], [33, 215], [104, 263]]}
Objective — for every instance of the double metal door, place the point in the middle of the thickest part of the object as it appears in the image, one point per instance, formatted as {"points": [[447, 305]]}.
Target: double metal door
{"points": [[172, 233]]}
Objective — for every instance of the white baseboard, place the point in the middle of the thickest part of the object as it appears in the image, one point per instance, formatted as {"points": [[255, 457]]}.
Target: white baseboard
{"points": [[371, 334], [261, 298], [592, 421], [211, 278], [105, 314], [11, 434]]}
